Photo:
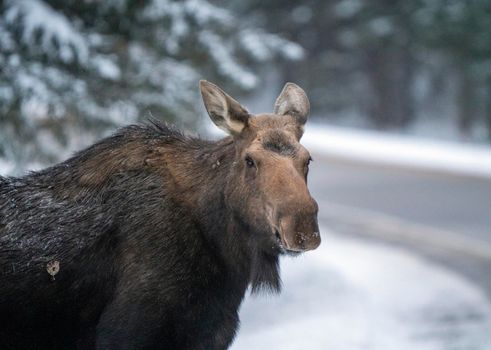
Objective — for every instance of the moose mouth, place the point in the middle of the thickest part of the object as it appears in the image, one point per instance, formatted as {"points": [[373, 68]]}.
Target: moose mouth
{"points": [[283, 245]]}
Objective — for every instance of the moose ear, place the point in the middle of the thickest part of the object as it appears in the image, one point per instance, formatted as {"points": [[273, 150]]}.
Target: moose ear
{"points": [[293, 101], [224, 111]]}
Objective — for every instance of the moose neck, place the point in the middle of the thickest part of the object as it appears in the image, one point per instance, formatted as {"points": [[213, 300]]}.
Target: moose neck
{"points": [[198, 174]]}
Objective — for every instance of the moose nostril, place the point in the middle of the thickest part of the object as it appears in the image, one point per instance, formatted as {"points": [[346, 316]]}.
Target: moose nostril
{"points": [[277, 234]]}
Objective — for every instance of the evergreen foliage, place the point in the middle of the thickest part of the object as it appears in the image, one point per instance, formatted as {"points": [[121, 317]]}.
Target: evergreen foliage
{"points": [[73, 69]]}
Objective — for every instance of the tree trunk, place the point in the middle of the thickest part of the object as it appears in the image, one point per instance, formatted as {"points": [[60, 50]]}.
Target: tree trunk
{"points": [[488, 107], [377, 70], [390, 73], [466, 101], [405, 87]]}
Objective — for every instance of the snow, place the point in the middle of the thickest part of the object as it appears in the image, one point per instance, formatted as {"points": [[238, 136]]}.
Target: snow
{"points": [[256, 48], [354, 295], [263, 46], [222, 54], [5, 167], [348, 8], [390, 149], [57, 33], [106, 67], [381, 26], [204, 12]]}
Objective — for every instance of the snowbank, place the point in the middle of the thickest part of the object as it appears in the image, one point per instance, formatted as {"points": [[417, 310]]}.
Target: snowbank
{"points": [[5, 167], [355, 295], [399, 150]]}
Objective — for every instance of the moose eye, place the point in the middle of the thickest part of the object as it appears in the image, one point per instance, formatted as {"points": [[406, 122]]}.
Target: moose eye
{"points": [[249, 162]]}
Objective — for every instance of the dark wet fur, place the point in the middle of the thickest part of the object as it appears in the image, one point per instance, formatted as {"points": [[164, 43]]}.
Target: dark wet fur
{"points": [[148, 259]]}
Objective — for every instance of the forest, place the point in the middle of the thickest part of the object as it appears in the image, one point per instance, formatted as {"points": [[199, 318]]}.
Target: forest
{"points": [[74, 70]]}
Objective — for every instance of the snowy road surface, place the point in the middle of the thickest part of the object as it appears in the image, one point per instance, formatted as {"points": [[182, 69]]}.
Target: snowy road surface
{"points": [[356, 295]]}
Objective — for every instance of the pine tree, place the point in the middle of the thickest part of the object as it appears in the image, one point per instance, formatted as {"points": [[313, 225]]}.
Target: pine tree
{"points": [[71, 70]]}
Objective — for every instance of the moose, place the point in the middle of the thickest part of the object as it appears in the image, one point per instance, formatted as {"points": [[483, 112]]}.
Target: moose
{"points": [[150, 238]]}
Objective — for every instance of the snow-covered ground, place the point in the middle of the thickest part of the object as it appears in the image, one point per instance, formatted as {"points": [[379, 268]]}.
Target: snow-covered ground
{"points": [[353, 295], [399, 150]]}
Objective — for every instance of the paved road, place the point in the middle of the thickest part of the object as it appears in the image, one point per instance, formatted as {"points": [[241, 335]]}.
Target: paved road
{"points": [[449, 216], [457, 204]]}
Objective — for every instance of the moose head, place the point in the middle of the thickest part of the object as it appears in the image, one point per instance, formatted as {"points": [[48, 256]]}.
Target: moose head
{"points": [[266, 189]]}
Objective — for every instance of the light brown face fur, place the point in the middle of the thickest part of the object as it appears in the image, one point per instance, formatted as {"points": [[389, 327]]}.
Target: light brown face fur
{"points": [[271, 166], [279, 173]]}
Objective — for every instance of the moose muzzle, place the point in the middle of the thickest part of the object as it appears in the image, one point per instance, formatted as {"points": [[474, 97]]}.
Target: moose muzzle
{"points": [[299, 232]]}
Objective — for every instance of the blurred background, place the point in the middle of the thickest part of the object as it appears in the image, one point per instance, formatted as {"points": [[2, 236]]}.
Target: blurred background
{"points": [[400, 132]]}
